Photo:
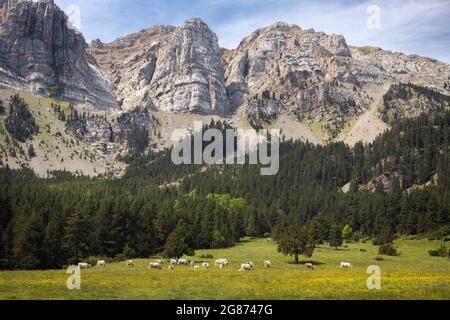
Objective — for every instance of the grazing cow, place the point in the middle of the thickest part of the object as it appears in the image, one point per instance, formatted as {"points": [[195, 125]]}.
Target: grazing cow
{"points": [[309, 266], [223, 262], [83, 265], [346, 265], [246, 267], [154, 265], [129, 263], [171, 267], [267, 264], [101, 263], [183, 261], [205, 265], [173, 262]]}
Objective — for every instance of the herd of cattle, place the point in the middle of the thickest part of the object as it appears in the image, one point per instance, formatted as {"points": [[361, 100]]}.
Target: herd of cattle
{"points": [[220, 263]]}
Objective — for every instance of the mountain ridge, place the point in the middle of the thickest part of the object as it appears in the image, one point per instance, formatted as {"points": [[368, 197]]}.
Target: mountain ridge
{"points": [[312, 85]]}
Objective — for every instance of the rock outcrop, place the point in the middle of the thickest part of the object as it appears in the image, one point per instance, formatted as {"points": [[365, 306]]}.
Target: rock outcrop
{"points": [[293, 70], [166, 68], [39, 52]]}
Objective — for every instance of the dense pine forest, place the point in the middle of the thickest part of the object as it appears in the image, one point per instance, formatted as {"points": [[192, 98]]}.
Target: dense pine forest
{"points": [[398, 185]]}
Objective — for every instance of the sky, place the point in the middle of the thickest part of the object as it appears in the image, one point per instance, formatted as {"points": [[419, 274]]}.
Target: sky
{"points": [[410, 26]]}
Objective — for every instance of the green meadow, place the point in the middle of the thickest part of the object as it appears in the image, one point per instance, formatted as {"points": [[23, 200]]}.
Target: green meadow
{"points": [[412, 275]]}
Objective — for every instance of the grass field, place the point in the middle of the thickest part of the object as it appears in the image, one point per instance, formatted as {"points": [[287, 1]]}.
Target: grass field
{"points": [[412, 275]]}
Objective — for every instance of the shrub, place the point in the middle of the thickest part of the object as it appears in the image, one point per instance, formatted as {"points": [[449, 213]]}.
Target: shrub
{"points": [[441, 252], [443, 232], [129, 252], [119, 258], [31, 152], [93, 260], [388, 250]]}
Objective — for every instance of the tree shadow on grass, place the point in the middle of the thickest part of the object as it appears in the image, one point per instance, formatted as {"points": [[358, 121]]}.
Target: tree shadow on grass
{"points": [[333, 249], [240, 243], [303, 262]]}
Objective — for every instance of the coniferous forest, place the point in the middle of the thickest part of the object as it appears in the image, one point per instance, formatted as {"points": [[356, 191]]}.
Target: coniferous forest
{"points": [[398, 185]]}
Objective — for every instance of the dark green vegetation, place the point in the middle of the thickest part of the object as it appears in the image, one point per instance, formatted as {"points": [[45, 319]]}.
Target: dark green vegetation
{"points": [[418, 98], [158, 207], [19, 121]]}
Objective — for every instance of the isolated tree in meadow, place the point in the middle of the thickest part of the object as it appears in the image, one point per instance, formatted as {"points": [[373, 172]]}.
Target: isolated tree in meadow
{"points": [[295, 241], [335, 238]]}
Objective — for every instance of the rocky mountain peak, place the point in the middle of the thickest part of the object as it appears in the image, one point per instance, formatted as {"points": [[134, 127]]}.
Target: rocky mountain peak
{"points": [[40, 52], [167, 68]]}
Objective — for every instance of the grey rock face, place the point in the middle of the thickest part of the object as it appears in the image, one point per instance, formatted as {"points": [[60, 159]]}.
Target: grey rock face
{"points": [[190, 76], [166, 68], [40, 52], [303, 69]]}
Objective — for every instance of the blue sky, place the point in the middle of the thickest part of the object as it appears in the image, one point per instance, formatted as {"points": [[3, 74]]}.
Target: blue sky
{"points": [[410, 26]]}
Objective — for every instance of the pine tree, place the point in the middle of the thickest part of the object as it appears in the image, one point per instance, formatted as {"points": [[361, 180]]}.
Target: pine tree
{"points": [[335, 238], [52, 245], [176, 245], [76, 238], [294, 241], [32, 252]]}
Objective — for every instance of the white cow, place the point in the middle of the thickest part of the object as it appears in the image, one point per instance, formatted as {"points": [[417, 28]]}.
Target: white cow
{"points": [[83, 265], [101, 263], [129, 263], [346, 265], [173, 261], [205, 265], [196, 268], [246, 267], [309, 266], [223, 262], [267, 264], [154, 265], [183, 261]]}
